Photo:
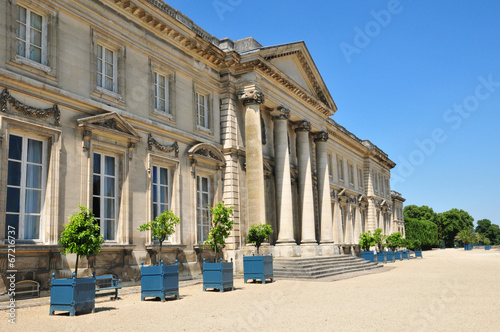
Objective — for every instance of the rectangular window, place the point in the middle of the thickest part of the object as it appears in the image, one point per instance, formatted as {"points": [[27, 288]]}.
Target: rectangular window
{"points": [[360, 178], [202, 109], [31, 35], [106, 68], [25, 186], [105, 194], [161, 190], [375, 181], [340, 169], [202, 202], [161, 93], [382, 185], [350, 172]]}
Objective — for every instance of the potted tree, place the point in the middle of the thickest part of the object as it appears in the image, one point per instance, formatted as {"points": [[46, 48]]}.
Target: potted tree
{"points": [[258, 267], [467, 237], [417, 248], [366, 241], [219, 275], [379, 239], [160, 280], [405, 254], [81, 236], [392, 242]]}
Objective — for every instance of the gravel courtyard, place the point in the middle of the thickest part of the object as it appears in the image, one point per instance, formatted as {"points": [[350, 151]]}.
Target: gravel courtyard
{"points": [[447, 290]]}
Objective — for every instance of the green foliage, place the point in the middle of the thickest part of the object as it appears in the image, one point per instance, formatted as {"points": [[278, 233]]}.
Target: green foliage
{"points": [[394, 240], [489, 230], [81, 236], [162, 227], [487, 241], [421, 233], [466, 236], [222, 224], [258, 234], [379, 239], [366, 240], [451, 222]]}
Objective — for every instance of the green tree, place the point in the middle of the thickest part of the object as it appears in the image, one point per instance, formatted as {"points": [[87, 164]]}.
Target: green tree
{"points": [[452, 222], [423, 213], [258, 234], [366, 240], [489, 230], [81, 236], [222, 224], [162, 227], [379, 239], [394, 240], [421, 233], [466, 236]]}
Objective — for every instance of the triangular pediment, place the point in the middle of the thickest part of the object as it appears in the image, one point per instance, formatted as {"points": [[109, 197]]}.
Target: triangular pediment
{"points": [[295, 62], [111, 123]]}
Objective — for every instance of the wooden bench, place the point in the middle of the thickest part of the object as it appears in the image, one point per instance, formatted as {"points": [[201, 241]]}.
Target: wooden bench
{"points": [[28, 288], [107, 283]]}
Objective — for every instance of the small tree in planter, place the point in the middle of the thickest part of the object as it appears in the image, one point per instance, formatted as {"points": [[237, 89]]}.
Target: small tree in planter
{"points": [[160, 280], [379, 242], [162, 227], [258, 267], [219, 275], [366, 240], [394, 241], [81, 236]]}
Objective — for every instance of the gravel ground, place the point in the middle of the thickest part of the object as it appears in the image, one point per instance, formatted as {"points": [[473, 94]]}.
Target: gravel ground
{"points": [[447, 290]]}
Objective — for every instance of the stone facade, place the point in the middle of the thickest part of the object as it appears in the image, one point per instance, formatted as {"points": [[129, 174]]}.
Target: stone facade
{"points": [[130, 108]]}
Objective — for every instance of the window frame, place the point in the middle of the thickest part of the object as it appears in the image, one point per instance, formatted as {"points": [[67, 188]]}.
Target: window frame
{"points": [[156, 98], [101, 196], [206, 125], [360, 178], [27, 40], [103, 75], [340, 169], [200, 224], [350, 173], [20, 232]]}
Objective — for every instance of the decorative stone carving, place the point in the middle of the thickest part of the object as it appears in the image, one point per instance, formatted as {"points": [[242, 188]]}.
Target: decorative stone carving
{"points": [[164, 148], [285, 114], [131, 148], [6, 98], [303, 126], [252, 97], [209, 154], [322, 136], [86, 136]]}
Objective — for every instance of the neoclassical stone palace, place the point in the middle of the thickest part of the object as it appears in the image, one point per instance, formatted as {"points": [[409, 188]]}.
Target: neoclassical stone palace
{"points": [[130, 108]]}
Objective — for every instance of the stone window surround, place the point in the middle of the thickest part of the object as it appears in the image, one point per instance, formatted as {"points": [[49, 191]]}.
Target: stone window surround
{"points": [[50, 207], [160, 68], [340, 168], [100, 93], [47, 69]]}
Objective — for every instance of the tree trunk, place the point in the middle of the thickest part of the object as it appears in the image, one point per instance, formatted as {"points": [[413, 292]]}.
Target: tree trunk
{"points": [[160, 253], [76, 266]]}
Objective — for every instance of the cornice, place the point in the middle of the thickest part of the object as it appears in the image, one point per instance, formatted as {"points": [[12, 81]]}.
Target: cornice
{"points": [[194, 39]]}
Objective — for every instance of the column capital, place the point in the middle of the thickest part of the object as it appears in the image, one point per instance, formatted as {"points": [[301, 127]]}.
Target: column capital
{"points": [[284, 114], [322, 136], [251, 97], [303, 126]]}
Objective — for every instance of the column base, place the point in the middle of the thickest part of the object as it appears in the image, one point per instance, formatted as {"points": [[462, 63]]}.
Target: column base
{"points": [[328, 249], [310, 250], [290, 249]]}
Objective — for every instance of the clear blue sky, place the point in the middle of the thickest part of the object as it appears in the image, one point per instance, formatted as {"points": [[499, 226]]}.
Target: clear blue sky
{"points": [[417, 78]]}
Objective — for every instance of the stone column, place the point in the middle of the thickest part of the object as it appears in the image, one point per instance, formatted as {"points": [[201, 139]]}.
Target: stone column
{"points": [[305, 184], [283, 180], [254, 160], [325, 202]]}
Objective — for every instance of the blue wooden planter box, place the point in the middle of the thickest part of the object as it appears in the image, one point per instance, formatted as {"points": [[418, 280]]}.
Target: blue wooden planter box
{"points": [[381, 257], [73, 295], [390, 256], [368, 255], [218, 275], [397, 255], [487, 247], [468, 247], [418, 253], [159, 281], [405, 254], [258, 267]]}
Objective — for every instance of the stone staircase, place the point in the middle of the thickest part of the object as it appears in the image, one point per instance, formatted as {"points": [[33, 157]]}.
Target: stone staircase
{"points": [[319, 267]]}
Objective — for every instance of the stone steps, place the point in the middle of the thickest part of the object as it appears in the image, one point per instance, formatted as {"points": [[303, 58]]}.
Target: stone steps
{"points": [[320, 267]]}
